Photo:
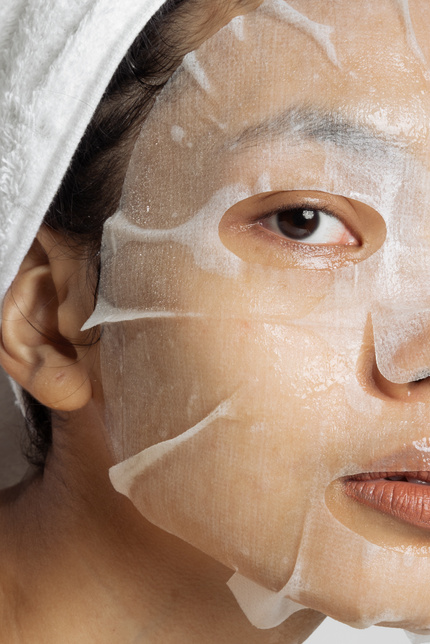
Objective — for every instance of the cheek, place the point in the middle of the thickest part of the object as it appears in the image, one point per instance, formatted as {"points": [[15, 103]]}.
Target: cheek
{"points": [[169, 277], [241, 489], [220, 335]]}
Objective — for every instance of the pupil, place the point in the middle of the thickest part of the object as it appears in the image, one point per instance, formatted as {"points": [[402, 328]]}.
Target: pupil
{"points": [[298, 223]]}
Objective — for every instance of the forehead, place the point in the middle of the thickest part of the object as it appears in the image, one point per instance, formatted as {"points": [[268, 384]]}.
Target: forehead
{"points": [[355, 73], [367, 56]]}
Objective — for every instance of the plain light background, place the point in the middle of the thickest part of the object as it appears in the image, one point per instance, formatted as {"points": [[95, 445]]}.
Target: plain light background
{"points": [[13, 467], [331, 632]]}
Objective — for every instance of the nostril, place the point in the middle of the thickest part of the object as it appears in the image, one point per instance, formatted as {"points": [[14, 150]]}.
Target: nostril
{"points": [[400, 362], [417, 389], [401, 341], [421, 375], [376, 383]]}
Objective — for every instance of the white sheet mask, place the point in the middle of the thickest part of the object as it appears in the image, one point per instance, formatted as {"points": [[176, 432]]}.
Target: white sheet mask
{"points": [[410, 31], [257, 370], [418, 639]]}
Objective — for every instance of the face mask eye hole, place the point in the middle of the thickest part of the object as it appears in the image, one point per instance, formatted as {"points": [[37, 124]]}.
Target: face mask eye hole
{"points": [[302, 229]]}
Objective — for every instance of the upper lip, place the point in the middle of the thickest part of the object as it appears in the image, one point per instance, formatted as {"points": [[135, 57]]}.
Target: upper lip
{"points": [[418, 475], [408, 460]]}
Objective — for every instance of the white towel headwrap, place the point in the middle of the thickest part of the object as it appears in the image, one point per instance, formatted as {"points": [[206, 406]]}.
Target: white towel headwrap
{"points": [[56, 59]]}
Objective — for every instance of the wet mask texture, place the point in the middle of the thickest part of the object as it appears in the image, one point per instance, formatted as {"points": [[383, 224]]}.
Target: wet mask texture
{"points": [[265, 301]]}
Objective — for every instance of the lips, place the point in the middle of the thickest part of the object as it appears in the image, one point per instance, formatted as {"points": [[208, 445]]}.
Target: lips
{"points": [[402, 495]]}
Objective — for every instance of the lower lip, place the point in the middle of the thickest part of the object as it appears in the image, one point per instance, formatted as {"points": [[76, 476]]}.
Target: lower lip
{"points": [[408, 502]]}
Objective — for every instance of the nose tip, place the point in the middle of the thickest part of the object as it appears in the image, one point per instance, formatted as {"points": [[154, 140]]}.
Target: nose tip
{"points": [[402, 343]]}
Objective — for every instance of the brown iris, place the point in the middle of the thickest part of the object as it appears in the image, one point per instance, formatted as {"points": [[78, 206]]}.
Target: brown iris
{"points": [[297, 223]]}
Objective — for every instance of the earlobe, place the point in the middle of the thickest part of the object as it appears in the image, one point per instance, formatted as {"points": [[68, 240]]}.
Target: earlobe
{"points": [[33, 350]]}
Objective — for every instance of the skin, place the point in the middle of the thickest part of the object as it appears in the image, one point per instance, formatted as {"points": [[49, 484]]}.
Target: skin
{"points": [[69, 541], [73, 544], [79, 562]]}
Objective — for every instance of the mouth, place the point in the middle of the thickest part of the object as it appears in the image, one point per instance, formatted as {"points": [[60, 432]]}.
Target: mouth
{"points": [[402, 495]]}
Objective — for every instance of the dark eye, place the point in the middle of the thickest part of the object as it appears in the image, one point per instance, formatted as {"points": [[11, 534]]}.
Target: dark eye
{"points": [[311, 226]]}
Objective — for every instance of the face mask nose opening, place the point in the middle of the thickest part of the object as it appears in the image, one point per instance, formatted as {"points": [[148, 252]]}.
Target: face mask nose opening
{"points": [[402, 351]]}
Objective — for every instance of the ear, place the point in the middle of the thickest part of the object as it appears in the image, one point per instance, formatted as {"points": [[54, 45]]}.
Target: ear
{"points": [[41, 345]]}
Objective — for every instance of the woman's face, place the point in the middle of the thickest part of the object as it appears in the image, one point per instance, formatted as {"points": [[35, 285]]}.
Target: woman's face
{"points": [[268, 278]]}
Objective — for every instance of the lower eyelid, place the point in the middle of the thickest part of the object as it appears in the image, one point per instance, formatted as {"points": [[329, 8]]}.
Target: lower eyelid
{"points": [[285, 253]]}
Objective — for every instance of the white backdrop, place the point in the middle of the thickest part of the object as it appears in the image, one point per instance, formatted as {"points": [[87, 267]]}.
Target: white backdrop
{"points": [[331, 632]]}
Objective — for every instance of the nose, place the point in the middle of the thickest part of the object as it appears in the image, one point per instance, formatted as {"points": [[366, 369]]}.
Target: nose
{"points": [[402, 342]]}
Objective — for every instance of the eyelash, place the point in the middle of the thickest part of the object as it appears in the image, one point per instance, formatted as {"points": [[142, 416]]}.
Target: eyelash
{"points": [[305, 225]]}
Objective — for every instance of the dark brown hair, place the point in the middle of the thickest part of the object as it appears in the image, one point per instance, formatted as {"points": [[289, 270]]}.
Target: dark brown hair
{"points": [[91, 189]]}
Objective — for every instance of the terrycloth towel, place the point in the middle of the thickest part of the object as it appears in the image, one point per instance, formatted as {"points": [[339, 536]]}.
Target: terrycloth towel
{"points": [[56, 59]]}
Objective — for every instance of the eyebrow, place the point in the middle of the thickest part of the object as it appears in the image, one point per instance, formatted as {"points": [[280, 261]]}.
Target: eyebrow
{"points": [[303, 122]]}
